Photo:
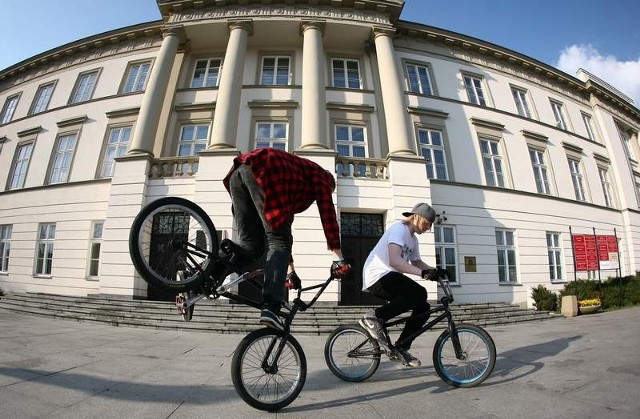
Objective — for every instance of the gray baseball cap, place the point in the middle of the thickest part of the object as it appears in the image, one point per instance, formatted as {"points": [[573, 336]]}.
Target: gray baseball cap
{"points": [[424, 210]]}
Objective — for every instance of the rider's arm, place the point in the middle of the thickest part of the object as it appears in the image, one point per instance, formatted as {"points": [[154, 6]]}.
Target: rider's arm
{"points": [[398, 263]]}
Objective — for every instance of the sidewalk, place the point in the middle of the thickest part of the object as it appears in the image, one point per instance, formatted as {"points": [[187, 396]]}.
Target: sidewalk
{"points": [[581, 367]]}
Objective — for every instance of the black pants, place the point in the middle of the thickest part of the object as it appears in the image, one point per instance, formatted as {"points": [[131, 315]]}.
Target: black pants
{"points": [[403, 294], [248, 211]]}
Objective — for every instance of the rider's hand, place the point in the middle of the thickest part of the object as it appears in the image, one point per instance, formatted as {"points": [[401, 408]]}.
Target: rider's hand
{"points": [[340, 269], [430, 274], [443, 273], [295, 281]]}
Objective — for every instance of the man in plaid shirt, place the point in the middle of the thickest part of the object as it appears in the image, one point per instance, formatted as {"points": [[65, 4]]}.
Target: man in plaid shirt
{"points": [[267, 187]]}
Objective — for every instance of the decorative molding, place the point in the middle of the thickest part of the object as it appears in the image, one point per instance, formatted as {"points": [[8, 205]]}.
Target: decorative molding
{"points": [[571, 147], [72, 121], [435, 113], [191, 107], [601, 158], [487, 124], [535, 136], [118, 113], [29, 131], [4, 139], [273, 104], [335, 106]]}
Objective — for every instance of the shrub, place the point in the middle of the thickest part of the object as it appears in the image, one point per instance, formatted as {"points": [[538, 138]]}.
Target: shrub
{"points": [[544, 299], [583, 289]]}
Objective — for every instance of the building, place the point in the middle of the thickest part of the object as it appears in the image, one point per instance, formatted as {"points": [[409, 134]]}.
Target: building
{"points": [[514, 155]]}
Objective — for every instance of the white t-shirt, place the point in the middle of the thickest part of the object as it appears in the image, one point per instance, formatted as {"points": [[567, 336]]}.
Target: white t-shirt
{"points": [[377, 264]]}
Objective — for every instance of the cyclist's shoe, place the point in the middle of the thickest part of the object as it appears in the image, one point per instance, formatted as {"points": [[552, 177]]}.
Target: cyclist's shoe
{"points": [[270, 319], [402, 355], [373, 326]]}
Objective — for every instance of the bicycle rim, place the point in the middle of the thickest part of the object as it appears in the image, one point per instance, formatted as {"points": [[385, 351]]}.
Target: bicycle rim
{"points": [[351, 355]]}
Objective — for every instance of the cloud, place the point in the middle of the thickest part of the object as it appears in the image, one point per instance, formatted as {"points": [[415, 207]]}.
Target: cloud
{"points": [[623, 75]]}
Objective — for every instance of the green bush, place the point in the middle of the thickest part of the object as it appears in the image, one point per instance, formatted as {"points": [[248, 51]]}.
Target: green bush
{"points": [[583, 289], [613, 292], [543, 299]]}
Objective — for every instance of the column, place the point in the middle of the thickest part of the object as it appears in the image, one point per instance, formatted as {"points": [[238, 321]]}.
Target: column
{"points": [[400, 141], [149, 116], [225, 119], [314, 99]]}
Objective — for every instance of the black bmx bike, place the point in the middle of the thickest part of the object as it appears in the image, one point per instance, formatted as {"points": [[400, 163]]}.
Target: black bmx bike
{"points": [[464, 355], [186, 256]]}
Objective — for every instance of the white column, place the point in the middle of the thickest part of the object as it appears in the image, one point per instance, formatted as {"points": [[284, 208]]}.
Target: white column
{"points": [[395, 109], [225, 119], [145, 132], [314, 99]]}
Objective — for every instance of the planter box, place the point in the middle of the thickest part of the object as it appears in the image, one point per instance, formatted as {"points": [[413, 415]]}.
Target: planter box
{"points": [[589, 309]]}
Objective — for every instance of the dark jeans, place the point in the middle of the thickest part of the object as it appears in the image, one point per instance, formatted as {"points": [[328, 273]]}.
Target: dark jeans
{"points": [[253, 230], [403, 294]]}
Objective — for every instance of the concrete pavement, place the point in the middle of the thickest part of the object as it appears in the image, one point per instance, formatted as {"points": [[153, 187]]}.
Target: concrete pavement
{"points": [[581, 367]]}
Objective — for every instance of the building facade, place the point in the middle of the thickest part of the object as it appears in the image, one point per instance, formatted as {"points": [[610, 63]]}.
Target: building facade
{"points": [[515, 156]]}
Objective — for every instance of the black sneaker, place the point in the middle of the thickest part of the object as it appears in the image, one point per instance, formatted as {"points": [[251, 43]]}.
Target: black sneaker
{"points": [[405, 357], [270, 319]]}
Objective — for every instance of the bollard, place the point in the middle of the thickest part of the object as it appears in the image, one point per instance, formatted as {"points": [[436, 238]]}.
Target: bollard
{"points": [[569, 306]]}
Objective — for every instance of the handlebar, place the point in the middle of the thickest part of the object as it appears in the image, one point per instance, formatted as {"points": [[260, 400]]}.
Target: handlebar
{"points": [[446, 288]]}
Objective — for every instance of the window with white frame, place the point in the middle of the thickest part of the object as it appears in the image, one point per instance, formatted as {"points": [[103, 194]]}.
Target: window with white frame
{"points": [[62, 158], [275, 71], [351, 142], [446, 250], [589, 127], [95, 245], [431, 147], [42, 98], [492, 162], [554, 252], [193, 139], [558, 114], [20, 165], [539, 170], [206, 73], [272, 134], [44, 248], [625, 137], [576, 178], [5, 247], [475, 91], [346, 73], [520, 97], [9, 108], [84, 87], [117, 144], [419, 79], [136, 77], [603, 173], [507, 268]]}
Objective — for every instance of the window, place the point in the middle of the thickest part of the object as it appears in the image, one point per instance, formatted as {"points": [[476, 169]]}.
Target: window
{"points": [[576, 178], [84, 87], [558, 113], [275, 71], [539, 170], [206, 73], [20, 165], [42, 98], [588, 125], [606, 186], [44, 250], [346, 73], [116, 147], [445, 242], [5, 247], [492, 162], [418, 79], [62, 159], [507, 270], [432, 149], [520, 97], [95, 244], [136, 78], [272, 134], [554, 251], [9, 108], [193, 139], [474, 90], [625, 137], [350, 142]]}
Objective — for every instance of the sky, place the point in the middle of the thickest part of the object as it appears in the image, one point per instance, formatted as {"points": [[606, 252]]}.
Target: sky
{"points": [[600, 36]]}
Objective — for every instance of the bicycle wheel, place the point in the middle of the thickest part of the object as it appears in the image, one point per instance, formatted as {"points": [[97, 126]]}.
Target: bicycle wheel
{"points": [[173, 244], [351, 354], [259, 385], [477, 361]]}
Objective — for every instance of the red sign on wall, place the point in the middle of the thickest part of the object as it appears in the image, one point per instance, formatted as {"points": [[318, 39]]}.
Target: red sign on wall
{"points": [[595, 252]]}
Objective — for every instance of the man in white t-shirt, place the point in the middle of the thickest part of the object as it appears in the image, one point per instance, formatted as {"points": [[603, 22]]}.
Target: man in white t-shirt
{"points": [[395, 255]]}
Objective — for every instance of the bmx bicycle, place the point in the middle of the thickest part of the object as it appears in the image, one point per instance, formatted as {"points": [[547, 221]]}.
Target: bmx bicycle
{"points": [[464, 355], [268, 367]]}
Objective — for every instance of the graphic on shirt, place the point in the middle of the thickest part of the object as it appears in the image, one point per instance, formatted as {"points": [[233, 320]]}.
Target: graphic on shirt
{"points": [[406, 252]]}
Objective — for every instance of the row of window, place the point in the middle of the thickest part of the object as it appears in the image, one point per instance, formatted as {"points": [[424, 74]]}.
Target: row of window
{"points": [[45, 246]]}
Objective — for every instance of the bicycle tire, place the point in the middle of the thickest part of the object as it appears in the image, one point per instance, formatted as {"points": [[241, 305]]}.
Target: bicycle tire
{"points": [[351, 354], [479, 353], [184, 254], [259, 388]]}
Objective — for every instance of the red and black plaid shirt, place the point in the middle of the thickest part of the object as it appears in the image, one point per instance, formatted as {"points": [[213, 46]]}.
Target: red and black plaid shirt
{"points": [[291, 184]]}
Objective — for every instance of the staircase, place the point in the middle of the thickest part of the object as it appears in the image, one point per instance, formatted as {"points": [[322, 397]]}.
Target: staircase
{"points": [[221, 316]]}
